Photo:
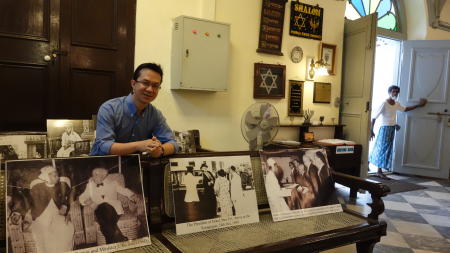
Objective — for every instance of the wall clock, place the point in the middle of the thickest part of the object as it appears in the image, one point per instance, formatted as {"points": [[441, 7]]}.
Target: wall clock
{"points": [[296, 54]]}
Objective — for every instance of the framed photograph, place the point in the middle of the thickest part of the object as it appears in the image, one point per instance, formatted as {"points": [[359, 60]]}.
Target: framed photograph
{"points": [[295, 101], [269, 81], [85, 204], [212, 192], [328, 54], [289, 197], [322, 93]]}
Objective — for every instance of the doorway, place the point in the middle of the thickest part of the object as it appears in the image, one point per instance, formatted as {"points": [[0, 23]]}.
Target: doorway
{"points": [[386, 73]]}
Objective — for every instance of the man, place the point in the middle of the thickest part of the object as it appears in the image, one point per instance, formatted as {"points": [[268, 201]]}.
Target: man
{"points": [[68, 139], [130, 124], [101, 194], [381, 155]]}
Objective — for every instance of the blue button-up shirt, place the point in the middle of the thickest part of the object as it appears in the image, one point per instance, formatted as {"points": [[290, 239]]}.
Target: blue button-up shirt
{"points": [[118, 121]]}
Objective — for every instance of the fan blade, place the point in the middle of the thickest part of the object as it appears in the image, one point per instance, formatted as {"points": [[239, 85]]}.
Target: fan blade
{"points": [[263, 109], [273, 121], [250, 120], [266, 136], [252, 133]]}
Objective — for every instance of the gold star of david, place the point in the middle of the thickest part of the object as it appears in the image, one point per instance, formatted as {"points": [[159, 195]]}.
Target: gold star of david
{"points": [[273, 85], [302, 20]]}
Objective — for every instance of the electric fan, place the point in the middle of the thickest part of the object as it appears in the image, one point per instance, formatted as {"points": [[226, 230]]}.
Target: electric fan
{"points": [[259, 125]]}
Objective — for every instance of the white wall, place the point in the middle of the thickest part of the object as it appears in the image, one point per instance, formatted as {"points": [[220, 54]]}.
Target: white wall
{"points": [[418, 26], [218, 115]]}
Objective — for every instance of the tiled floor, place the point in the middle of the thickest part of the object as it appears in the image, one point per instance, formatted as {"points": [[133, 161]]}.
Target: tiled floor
{"points": [[418, 221]]}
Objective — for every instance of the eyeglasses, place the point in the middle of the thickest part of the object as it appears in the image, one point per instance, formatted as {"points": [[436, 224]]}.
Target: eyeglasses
{"points": [[156, 86]]}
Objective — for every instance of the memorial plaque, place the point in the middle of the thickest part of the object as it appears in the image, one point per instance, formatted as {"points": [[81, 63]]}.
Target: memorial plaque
{"points": [[306, 21], [295, 102], [271, 27]]}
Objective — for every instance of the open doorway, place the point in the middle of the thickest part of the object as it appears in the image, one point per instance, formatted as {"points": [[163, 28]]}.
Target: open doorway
{"points": [[386, 73]]}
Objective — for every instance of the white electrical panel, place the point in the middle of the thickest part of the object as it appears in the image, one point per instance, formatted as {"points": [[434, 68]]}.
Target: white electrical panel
{"points": [[200, 54]]}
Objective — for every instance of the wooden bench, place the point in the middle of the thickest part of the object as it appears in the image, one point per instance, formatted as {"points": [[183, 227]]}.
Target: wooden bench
{"points": [[299, 235]]}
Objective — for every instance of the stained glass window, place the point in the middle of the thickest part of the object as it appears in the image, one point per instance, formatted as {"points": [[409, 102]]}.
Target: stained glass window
{"points": [[387, 17]]}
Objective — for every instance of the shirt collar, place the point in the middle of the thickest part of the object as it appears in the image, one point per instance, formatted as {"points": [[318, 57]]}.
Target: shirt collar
{"points": [[131, 107]]}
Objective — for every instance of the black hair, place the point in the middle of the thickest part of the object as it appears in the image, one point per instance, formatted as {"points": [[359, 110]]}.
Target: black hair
{"points": [[190, 169], [152, 66], [233, 168], [203, 165], [393, 87], [221, 173]]}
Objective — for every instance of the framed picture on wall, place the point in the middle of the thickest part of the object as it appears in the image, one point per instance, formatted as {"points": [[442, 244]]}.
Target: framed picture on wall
{"points": [[269, 81], [322, 93], [295, 100], [328, 55]]}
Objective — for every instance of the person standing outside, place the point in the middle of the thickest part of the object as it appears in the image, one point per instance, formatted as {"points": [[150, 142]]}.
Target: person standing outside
{"points": [[381, 155], [131, 124]]}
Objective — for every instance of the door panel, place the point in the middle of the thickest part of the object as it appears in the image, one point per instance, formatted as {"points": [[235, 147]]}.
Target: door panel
{"points": [[358, 65], [25, 18], [423, 144], [27, 34], [99, 52]]}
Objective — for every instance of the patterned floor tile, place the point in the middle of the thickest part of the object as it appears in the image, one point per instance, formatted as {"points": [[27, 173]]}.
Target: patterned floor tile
{"points": [[394, 239], [430, 183], [427, 243], [424, 209], [445, 231], [395, 197], [381, 248], [399, 206], [418, 193], [439, 195], [437, 189], [404, 216], [421, 200], [423, 251], [413, 228], [437, 220]]}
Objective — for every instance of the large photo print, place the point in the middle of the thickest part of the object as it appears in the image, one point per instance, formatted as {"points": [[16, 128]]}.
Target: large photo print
{"points": [[70, 138], [92, 204], [22, 146], [212, 192], [298, 183]]}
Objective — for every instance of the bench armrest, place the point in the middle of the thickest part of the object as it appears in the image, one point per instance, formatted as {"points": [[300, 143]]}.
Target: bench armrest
{"points": [[376, 190]]}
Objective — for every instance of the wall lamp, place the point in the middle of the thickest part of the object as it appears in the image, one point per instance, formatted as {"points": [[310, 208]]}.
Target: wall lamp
{"points": [[316, 68]]}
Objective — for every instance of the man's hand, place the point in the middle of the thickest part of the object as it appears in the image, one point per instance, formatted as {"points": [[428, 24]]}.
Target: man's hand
{"points": [[135, 198], [149, 145], [372, 135], [423, 102]]}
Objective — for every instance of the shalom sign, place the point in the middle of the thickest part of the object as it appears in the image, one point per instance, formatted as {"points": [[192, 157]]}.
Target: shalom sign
{"points": [[306, 21]]}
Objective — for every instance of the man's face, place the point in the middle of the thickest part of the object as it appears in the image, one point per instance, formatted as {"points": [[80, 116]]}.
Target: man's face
{"points": [[53, 177], [98, 175], [394, 94], [69, 129], [145, 87]]}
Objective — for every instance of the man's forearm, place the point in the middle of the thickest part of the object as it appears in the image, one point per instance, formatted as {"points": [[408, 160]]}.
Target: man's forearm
{"points": [[124, 148], [410, 108], [168, 148]]}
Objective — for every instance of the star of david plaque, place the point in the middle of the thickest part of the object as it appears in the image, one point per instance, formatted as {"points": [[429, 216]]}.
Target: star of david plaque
{"points": [[269, 81]]}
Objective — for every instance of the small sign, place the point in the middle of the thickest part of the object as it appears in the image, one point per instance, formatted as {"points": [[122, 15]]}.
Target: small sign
{"points": [[271, 27], [345, 149], [295, 102], [306, 21]]}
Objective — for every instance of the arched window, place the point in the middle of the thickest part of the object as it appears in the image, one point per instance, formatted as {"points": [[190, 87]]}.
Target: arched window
{"points": [[387, 12]]}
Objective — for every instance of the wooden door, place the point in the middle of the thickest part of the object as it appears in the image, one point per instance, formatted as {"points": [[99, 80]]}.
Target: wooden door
{"points": [[357, 81], [62, 58], [422, 146], [97, 53], [29, 31]]}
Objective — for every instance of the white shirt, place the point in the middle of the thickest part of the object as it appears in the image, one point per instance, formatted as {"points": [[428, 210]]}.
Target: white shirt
{"points": [[388, 113], [105, 193]]}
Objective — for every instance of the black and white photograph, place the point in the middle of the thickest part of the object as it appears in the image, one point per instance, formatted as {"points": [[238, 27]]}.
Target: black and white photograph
{"points": [[185, 141], [70, 138], [298, 183], [22, 146], [87, 204], [212, 192]]}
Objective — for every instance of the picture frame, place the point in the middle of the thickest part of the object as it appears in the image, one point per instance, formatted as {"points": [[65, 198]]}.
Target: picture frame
{"points": [[269, 81], [295, 100], [327, 53], [322, 93], [308, 136]]}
